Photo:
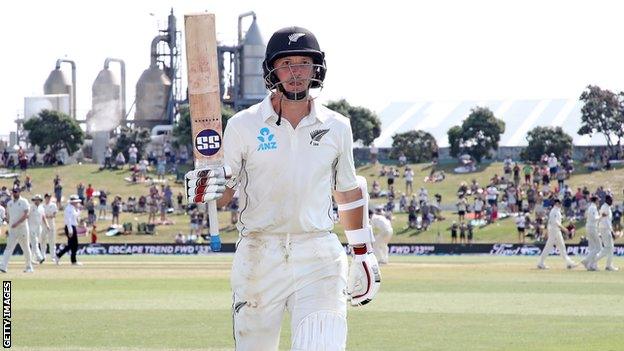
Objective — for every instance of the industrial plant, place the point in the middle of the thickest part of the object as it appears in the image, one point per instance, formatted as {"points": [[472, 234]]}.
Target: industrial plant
{"points": [[159, 92]]}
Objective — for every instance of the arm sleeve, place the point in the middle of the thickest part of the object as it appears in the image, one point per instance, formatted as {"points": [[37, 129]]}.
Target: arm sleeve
{"points": [[345, 169], [233, 149]]}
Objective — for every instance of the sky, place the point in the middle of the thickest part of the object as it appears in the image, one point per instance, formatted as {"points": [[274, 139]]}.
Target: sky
{"points": [[377, 52]]}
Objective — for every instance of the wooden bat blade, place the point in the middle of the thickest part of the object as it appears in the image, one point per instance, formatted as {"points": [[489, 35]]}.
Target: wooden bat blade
{"points": [[203, 88]]}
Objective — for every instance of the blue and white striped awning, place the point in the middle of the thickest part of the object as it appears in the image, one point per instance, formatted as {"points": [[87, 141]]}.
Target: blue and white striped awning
{"points": [[520, 116]]}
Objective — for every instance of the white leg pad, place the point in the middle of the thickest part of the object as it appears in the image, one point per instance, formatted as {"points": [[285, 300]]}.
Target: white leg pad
{"points": [[321, 331]]}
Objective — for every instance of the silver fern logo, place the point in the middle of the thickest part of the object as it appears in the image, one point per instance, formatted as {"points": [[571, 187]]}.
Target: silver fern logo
{"points": [[317, 135], [294, 37]]}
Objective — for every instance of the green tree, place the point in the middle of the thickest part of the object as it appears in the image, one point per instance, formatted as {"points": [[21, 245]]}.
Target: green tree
{"points": [[546, 140], [417, 145], [478, 135], [140, 137], [54, 130], [182, 129], [365, 124], [603, 112]]}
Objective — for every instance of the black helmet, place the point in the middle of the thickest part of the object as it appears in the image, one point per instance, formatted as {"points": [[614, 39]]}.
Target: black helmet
{"points": [[292, 41]]}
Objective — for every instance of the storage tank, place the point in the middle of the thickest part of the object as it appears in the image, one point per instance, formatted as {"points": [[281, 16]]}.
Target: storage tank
{"points": [[152, 95], [252, 55], [106, 101], [57, 83]]}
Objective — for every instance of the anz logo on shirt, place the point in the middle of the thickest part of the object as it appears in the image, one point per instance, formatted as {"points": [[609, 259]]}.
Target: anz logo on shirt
{"points": [[267, 140]]}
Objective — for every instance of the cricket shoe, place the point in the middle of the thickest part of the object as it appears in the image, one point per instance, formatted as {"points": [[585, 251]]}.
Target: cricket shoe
{"points": [[29, 270], [612, 268], [542, 266], [3, 270], [76, 263]]}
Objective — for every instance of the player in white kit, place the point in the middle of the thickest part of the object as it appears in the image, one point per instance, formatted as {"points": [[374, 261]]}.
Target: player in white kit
{"points": [[593, 241], [382, 230], [605, 229], [36, 220], [17, 217], [287, 155], [555, 239], [48, 234]]}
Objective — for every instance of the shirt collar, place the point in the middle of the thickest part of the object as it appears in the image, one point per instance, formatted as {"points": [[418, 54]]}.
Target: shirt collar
{"points": [[267, 112]]}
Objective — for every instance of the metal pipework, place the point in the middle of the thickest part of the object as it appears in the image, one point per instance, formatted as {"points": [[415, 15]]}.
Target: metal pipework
{"points": [[154, 47], [73, 66], [122, 64], [240, 24]]}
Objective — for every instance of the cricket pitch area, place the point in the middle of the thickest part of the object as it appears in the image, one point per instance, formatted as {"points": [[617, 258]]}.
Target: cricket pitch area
{"points": [[425, 303]]}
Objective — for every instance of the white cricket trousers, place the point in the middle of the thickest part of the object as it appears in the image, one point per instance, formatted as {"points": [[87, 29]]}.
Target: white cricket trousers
{"points": [[35, 233], [380, 246], [555, 239], [17, 237], [593, 245], [48, 237], [607, 245], [304, 274]]}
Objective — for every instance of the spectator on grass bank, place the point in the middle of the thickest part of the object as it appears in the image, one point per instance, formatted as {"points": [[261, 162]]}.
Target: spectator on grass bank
{"points": [[374, 151], [115, 209], [89, 192], [80, 191], [409, 180], [102, 207], [454, 228], [133, 153], [108, 158], [120, 160]]}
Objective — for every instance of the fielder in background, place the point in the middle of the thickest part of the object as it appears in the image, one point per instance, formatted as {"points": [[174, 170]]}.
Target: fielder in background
{"points": [[36, 220], [48, 235], [555, 238], [17, 215], [287, 154], [593, 241], [605, 229], [382, 230]]}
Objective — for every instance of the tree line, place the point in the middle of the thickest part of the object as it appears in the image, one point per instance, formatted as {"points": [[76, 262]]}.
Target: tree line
{"points": [[478, 135]]}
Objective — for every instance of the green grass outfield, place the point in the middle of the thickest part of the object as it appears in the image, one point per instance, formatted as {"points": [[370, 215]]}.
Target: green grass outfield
{"points": [[426, 303]]}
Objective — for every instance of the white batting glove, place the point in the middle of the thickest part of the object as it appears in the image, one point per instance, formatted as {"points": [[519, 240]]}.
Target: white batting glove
{"points": [[364, 277], [206, 184]]}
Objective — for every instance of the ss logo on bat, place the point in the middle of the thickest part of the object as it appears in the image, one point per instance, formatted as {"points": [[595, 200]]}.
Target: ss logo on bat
{"points": [[208, 142]]}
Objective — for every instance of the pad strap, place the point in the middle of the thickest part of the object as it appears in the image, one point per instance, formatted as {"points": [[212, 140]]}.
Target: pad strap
{"points": [[352, 205]]}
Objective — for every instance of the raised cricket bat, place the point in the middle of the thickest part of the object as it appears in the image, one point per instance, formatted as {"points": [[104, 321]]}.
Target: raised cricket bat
{"points": [[204, 99]]}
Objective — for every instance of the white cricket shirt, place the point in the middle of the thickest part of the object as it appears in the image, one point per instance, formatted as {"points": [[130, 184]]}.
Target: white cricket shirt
{"points": [[554, 219], [35, 215], [16, 209], [285, 175], [381, 225], [605, 222], [50, 209], [592, 215]]}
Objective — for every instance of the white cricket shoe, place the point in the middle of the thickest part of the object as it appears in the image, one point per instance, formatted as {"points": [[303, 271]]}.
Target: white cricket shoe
{"points": [[76, 263], [29, 270], [612, 268], [542, 266], [56, 260], [3, 270]]}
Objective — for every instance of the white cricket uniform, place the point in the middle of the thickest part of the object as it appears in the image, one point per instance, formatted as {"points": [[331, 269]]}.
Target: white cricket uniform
{"points": [[18, 235], [555, 239], [593, 241], [604, 229], [48, 236], [382, 230], [287, 257], [35, 222]]}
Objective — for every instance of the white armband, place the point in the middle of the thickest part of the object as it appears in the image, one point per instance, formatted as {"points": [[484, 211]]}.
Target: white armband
{"points": [[360, 236], [352, 205]]}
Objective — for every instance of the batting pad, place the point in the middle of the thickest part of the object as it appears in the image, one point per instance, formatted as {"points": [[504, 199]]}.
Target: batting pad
{"points": [[321, 331]]}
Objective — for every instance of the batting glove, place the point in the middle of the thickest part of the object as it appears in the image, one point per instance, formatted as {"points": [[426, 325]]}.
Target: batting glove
{"points": [[364, 276], [215, 243], [206, 184]]}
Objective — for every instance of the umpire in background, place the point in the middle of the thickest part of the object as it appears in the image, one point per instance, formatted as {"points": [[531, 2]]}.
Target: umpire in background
{"points": [[71, 215]]}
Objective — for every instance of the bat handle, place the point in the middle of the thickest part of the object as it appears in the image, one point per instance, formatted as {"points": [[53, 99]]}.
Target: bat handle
{"points": [[215, 240]]}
